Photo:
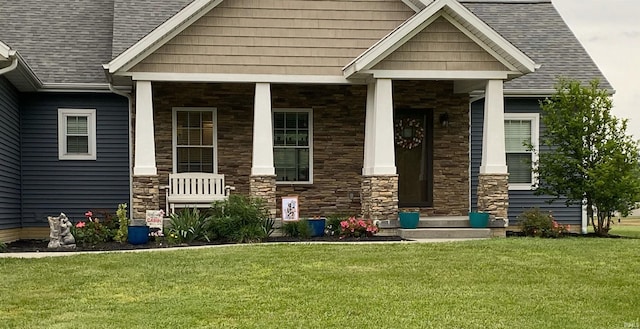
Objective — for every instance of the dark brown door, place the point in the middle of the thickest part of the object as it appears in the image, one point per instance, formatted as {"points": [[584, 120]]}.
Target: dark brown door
{"points": [[414, 157]]}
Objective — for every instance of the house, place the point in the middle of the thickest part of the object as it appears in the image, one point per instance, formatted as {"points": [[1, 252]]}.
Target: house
{"points": [[363, 107]]}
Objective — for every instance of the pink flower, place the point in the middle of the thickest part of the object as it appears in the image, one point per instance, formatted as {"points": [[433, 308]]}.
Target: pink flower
{"points": [[80, 224], [344, 224], [88, 214]]}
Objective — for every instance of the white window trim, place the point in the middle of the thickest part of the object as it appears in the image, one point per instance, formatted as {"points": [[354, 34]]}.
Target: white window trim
{"points": [[535, 141], [174, 134], [310, 111], [63, 113]]}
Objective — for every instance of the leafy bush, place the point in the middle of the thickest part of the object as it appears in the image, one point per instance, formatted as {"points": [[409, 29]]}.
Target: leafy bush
{"points": [[534, 222], [3, 247], [189, 225], [92, 231], [357, 227], [332, 227], [123, 220], [240, 219], [297, 229]]}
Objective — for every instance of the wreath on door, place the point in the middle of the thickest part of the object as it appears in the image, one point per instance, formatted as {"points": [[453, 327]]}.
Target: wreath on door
{"points": [[409, 133]]}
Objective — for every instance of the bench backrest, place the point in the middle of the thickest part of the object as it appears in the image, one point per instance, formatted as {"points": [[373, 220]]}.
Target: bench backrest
{"points": [[196, 184]]}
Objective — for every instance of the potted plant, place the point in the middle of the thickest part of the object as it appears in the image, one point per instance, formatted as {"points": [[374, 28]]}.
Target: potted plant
{"points": [[478, 219], [409, 219], [317, 225]]}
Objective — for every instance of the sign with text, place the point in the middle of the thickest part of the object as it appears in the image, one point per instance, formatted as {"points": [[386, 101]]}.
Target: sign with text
{"points": [[290, 211], [154, 220]]}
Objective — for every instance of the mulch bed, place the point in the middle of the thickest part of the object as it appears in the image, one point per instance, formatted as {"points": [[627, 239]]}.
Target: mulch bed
{"points": [[41, 245]]}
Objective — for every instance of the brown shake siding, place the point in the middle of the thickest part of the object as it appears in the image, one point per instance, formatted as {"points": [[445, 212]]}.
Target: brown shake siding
{"points": [[278, 37]]}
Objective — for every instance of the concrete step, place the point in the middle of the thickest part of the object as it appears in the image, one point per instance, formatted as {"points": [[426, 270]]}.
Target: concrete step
{"points": [[432, 222], [444, 233]]}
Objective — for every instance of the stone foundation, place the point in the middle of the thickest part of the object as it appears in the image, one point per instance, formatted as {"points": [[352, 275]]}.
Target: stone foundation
{"points": [[380, 197], [493, 195], [264, 187], [145, 195]]}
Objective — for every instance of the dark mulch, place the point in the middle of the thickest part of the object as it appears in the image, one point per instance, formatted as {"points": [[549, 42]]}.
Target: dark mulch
{"points": [[517, 234], [41, 245]]}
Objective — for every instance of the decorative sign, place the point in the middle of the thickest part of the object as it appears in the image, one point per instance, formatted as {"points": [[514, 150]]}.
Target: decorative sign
{"points": [[154, 220], [290, 211]]}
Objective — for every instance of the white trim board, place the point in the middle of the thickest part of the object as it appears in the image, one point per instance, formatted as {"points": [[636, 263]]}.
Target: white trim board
{"points": [[242, 78], [462, 18], [163, 33]]}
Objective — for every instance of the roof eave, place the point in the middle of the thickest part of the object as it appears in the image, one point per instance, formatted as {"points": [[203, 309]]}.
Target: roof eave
{"points": [[160, 35]]}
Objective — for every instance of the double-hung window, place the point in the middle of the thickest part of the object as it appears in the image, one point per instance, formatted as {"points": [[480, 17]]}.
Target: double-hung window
{"points": [[77, 134], [293, 145], [194, 140], [520, 130]]}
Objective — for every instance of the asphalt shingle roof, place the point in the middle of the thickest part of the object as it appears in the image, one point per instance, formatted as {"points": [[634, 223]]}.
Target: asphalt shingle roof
{"points": [[539, 31], [63, 41], [67, 41]]}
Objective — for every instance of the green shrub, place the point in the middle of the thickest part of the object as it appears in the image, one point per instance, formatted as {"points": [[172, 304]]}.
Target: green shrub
{"points": [[240, 219], [189, 225], [534, 222], [332, 226], [3, 247], [297, 229], [123, 220]]}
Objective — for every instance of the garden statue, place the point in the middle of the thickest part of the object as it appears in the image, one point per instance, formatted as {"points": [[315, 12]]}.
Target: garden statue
{"points": [[60, 232]]}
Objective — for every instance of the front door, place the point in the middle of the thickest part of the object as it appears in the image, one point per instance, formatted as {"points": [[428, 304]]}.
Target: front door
{"points": [[414, 157]]}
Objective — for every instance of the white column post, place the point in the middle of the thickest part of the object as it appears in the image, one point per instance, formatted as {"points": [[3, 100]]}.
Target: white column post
{"points": [[145, 149], [369, 130], [383, 156], [262, 163], [494, 159]]}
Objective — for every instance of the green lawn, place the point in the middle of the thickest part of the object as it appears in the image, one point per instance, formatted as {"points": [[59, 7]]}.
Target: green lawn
{"points": [[499, 283]]}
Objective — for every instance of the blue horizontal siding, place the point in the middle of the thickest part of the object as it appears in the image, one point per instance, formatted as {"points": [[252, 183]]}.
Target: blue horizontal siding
{"points": [[51, 186], [519, 201], [10, 160]]}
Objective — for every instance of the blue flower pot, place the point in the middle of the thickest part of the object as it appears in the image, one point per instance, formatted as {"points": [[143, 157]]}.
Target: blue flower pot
{"points": [[478, 219], [138, 234], [409, 219], [317, 226]]}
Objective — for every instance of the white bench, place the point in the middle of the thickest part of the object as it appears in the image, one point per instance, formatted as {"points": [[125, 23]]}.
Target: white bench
{"points": [[195, 190]]}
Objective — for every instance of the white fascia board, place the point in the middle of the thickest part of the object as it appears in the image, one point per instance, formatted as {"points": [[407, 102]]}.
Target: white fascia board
{"points": [[241, 78], [411, 4], [163, 33], [5, 51], [523, 62], [419, 21], [437, 75]]}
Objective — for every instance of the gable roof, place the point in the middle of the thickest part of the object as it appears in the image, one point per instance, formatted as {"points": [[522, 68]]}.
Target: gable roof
{"points": [[537, 29], [453, 11], [67, 42]]}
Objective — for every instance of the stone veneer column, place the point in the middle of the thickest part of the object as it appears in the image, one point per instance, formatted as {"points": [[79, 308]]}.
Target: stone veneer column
{"points": [[380, 197], [145, 195], [493, 185], [493, 195], [264, 187]]}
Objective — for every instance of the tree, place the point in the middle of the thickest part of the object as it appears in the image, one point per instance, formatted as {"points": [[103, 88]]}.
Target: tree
{"points": [[590, 158]]}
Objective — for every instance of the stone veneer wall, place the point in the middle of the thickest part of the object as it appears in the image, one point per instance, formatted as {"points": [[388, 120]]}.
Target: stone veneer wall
{"points": [[265, 187], [380, 197], [493, 195], [145, 195], [450, 144], [338, 137]]}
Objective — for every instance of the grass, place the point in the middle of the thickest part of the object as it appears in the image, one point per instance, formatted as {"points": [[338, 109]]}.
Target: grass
{"points": [[499, 283], [628, 227]]}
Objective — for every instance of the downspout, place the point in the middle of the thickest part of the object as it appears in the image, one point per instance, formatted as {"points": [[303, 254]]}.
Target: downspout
{"points": [[11, 67], [129, 99]]}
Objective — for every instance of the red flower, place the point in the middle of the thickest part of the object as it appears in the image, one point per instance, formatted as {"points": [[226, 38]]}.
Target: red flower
{"points": [[80, 224]]}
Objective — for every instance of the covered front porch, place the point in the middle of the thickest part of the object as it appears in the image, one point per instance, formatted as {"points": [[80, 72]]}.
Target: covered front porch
{"points": [[354, 163]]}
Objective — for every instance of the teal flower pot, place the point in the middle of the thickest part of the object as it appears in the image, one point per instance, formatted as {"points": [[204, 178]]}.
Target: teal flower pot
{"points": [[478, 219], [317, 226], [409, 219], [138, 234]]}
